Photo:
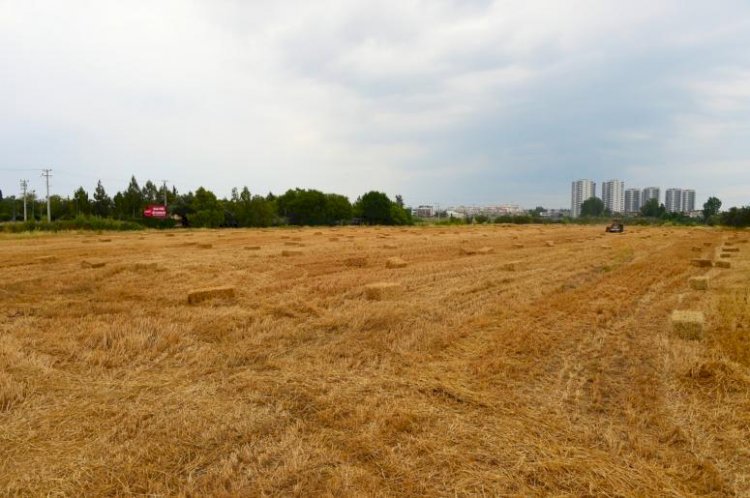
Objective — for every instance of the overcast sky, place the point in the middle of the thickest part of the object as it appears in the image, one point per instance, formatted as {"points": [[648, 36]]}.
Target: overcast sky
{"points": [[444, 102]]}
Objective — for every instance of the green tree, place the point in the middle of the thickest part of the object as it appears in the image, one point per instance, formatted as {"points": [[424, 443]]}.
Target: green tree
{"points": [[132, 200], [102, 205], [652, 209], [303, 207], [374, 208], [711, 207], [338, 209], [81, 202], [208, 210], [593, 206], [150, 193]]}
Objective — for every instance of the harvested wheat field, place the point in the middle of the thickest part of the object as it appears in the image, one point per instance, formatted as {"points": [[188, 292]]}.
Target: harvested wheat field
{"points": [[489, 361]]}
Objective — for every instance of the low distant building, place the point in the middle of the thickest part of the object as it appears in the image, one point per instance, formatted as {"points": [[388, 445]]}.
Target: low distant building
{"points": [[424, 212]]}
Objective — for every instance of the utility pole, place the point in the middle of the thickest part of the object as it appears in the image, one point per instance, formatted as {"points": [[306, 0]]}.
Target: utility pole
{"points": [[24, 186], [165, 192], [46, 174]]}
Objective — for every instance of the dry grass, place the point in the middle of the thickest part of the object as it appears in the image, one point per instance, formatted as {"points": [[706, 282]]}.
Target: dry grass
{"points": [[560, 378]]}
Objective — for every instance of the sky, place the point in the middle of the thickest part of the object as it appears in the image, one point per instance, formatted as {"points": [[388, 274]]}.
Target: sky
{"points": [[444, 102]]}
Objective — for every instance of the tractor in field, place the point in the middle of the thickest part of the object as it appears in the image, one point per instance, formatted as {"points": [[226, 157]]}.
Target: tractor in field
{"points": [[615, 227]]}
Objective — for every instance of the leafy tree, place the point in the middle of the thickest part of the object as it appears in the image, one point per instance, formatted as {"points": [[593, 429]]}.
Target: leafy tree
{"points": [[711, 207], [338, 209], [102, 205], [652, 209], [81, 202], [399, 200], [132, 201], [593, 206], [736, 217], [208, 210], [303, 207], [149, 193], [374, 208]]}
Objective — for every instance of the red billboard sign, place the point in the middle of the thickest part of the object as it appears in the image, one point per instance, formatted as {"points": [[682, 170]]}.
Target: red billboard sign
{"points": [[155, 211]]}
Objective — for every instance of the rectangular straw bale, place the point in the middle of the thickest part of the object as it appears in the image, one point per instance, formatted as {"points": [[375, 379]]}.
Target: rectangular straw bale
{"points": [[105, 240], [395, 262], [252, 248], [549, 243], [698, 283], [730, 249], [356, 261], [46, 259], [294, 244], [511, 265], [390, 246], [518, 246], [726, 255], [696, 249], [289, 252], [204, 246], [333, 239], [200, 295], [707, 244], [382, 290], [92, 264], [688, 324], [701, 262], [146, 266], [484, 250], [723, 264], [466, 251]]}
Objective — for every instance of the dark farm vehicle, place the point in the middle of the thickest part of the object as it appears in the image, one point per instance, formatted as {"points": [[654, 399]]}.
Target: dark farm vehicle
{"points": [[615, 227]]}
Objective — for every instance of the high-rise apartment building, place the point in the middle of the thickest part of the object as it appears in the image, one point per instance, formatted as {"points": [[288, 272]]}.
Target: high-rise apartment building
{"points": [[581, 190], [613, 196], [673, 200], [632, 200], [649, 193], [688, 200]]}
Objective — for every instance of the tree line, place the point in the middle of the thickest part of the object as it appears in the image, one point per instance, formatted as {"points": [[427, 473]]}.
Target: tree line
{"points": [[203, 208], [653, 210]]}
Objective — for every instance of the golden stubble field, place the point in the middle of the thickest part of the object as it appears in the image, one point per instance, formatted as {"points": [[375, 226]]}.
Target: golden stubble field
{"points": [[506, 361]]}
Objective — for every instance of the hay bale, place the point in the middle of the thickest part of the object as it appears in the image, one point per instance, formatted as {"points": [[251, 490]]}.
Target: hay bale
{"points": [[46, 259], [92, 264], [484, 250], [517, 246], [390, 246], [200, 295], [707, 244], [333, 239], [698, 283], [289, 252], [701, 262], [688, 324], [169, 235], [723, 264], [696, 249], [395, 262], [605, 246], [145, 266], [549, 243], [356, 261], [294, 244], [468, 251], [726, 255], [730, 249], [510, 265], [382, 290], [204, 246], [105, 240]]}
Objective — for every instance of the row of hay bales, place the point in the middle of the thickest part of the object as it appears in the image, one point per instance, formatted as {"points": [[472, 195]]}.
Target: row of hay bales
{"points": [[690, 324]]}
